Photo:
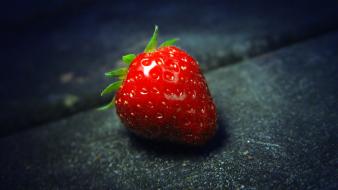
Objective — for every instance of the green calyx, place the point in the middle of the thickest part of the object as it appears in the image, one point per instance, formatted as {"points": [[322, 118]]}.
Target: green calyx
{"points": [[169, 42], [107, 106], [121, 73], [127, 59], [152, 44]]}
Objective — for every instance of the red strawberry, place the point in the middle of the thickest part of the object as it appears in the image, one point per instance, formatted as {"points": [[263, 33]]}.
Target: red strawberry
{"points": [[164, 96]]}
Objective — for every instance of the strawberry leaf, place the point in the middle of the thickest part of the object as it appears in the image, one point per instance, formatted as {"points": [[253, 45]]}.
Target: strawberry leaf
{"points": [[112, 87], [117, 72], [107, 106], [169, 42], [127, 59], [152, 44]]}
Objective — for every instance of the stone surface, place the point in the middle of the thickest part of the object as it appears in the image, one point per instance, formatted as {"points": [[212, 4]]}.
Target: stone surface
{"points": [[53, 67], [278, 118]]}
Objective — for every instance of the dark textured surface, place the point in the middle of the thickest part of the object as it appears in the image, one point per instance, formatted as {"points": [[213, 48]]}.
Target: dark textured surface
{"points": [[278, 129], [54, 66]]}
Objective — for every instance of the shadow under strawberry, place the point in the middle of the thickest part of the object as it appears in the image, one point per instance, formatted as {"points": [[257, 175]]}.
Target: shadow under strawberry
{"points": [[175, 150]]}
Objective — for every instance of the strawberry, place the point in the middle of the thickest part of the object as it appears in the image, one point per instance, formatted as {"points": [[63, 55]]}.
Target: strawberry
{"points": [[163, 95]]}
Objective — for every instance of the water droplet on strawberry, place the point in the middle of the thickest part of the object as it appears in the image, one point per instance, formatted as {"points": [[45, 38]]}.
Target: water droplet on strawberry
{"points": [[155, 90], [183, 68], [131, 95], [182, 93], [191, 111], [169, 76], [159, 116], [139, 76], [194, 94], [144, 91], [160, 61], [145, 62], [155, 73], [173, 67], [172, 51], [150, 104]]}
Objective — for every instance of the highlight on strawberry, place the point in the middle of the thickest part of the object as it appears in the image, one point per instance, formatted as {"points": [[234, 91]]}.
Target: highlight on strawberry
{"points": [[161, 94]]}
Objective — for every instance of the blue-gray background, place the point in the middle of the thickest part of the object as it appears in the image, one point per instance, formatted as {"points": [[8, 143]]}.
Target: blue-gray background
{"points": [[271, 67]]}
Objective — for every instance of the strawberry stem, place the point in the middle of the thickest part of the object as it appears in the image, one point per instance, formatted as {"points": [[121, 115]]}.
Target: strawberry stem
{"points": [[152, 44]]}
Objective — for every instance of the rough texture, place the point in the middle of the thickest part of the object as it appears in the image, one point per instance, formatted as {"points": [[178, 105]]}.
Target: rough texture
{"points": [[53, 67], [277, 130]]}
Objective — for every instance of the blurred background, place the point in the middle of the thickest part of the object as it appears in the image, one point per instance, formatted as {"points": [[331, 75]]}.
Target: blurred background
{"points": [[54, 53], [271, 67]]}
